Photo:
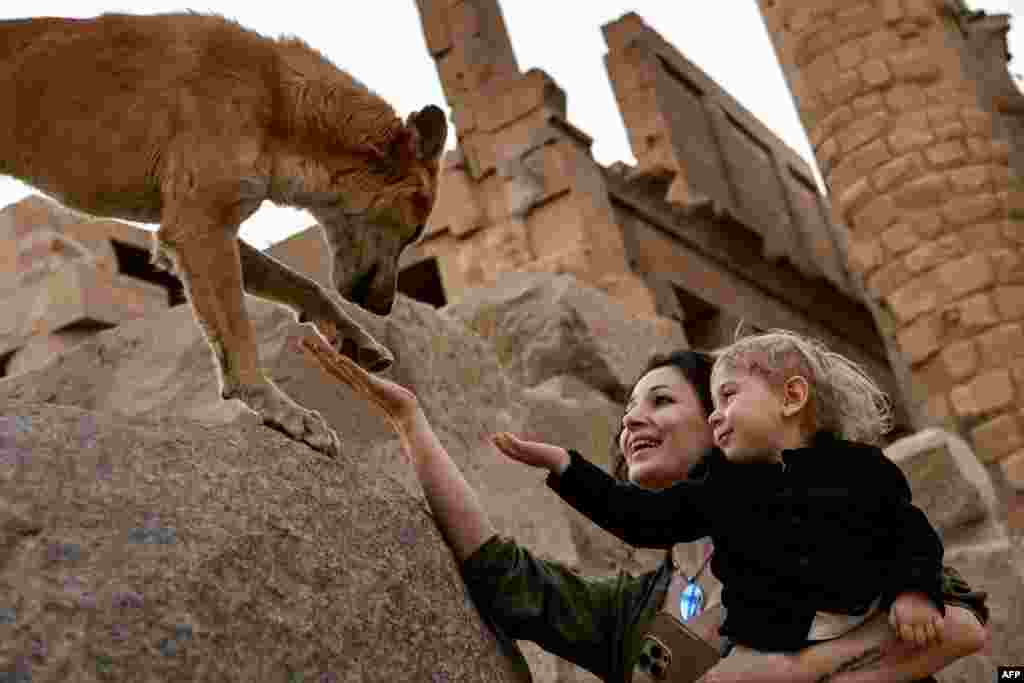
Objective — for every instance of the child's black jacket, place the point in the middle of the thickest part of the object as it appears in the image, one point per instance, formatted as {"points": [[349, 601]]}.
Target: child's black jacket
{"points": [[830, 529]]}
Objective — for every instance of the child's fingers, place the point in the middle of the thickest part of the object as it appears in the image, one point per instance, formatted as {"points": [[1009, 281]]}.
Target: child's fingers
{"points": [[925, 633]]}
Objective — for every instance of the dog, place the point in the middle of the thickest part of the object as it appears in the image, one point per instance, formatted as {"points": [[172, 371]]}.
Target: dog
{"points": [[190, 120]]}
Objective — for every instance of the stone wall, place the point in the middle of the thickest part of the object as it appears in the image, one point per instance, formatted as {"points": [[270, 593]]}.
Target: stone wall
{"points": [[918, 163]]}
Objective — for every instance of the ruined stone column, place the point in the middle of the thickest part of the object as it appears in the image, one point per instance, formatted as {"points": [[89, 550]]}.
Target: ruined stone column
{"points": [[918, 167], [522, 192]]}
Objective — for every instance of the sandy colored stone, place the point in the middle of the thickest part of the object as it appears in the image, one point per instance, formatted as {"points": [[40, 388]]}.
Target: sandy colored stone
{"points": [[168, 550]]}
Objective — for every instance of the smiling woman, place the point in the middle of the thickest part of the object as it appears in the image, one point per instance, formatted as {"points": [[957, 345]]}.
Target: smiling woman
{"points": [[604, 624]]}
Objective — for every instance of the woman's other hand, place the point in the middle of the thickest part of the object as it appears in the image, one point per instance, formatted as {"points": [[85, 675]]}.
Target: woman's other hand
{"points": [[533, 453]]}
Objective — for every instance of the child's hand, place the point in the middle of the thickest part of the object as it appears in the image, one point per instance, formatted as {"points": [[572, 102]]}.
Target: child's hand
{"points": [[916, 619], [532, 453]]}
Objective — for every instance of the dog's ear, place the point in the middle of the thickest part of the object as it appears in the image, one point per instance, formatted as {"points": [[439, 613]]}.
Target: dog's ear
{"points": [[429, 130]]}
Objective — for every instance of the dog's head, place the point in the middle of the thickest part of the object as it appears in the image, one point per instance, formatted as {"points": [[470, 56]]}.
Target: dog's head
{"points": [[385, 203]]}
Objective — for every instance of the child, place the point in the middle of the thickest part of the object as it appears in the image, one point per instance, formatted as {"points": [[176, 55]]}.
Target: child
{"points": [[812, 525]]}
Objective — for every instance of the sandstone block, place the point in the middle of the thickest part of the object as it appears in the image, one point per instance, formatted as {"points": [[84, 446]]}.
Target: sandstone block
{"points": [[916, 64], [1009, 266], [980, 149], [898, 171], [918, 296], [888, 278], [970, 179], [849, 55], [950, 131], [997, 437], [960, 360], [946, 154], [928, 223], [862, 132], [967, 210], [906, 97], [900, 238], [983, 236], [922, 193], [835, 122], [852, 198], [875, 73], [905, 140], [967, 275], [921, 339], [822, 69], [892, 11], [877, 215], [866, 254], [1013, 470], [970, 315], [1000, 345], [946, 479], [868, 103], [987, 393], [932, 254], [1010, 302], [842, 88]]}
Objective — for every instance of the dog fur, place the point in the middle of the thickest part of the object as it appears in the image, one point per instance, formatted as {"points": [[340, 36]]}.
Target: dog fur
{"points": [[191, 121]]}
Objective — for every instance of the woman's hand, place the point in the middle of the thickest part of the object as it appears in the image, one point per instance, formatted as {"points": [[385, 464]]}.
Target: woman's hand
{"points": [[398, 405], [916, 619], [533, 453]]}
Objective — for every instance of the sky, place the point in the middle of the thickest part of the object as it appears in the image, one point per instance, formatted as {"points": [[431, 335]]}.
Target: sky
{"points": [[382, 45]]}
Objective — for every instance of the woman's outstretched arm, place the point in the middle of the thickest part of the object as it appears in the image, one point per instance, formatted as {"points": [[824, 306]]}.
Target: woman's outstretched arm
{"points": [[457, 510]]}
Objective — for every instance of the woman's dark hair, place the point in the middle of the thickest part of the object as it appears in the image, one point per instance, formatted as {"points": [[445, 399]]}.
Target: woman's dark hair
{"points": [[696, 367]]}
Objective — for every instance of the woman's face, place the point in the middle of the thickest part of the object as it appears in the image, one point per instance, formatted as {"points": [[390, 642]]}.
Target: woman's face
{"points": [[665, 410]]}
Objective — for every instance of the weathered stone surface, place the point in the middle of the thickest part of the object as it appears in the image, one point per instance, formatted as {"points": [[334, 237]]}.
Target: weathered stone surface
{"points": [[545, 326], [168, 550], [161, 369], [995, 568], [956, 492], [947, 481]]}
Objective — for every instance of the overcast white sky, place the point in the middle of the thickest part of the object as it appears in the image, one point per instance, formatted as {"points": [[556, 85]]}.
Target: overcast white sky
{"points": [[381, 43]]}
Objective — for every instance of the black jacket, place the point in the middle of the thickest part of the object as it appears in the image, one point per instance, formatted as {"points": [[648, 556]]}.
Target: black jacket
{"points": [[830, 529]]}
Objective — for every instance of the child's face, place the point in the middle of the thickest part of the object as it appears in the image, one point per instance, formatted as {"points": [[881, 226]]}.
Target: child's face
{"points": [[748, 417]]}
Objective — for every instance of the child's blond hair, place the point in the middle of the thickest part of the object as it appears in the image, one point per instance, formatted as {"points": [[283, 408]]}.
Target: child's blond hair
{"points": [[844, 400]]}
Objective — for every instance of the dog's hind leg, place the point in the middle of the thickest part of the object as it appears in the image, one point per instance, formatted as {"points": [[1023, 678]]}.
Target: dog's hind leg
{"points": [[207, 262], [268, 278]]}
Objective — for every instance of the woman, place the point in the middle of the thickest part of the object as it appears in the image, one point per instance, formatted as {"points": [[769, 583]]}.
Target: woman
{"points": [[599, 623]]}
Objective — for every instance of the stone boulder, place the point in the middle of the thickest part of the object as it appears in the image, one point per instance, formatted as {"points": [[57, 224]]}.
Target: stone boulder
{"points": [[544, 326], [159, 370], [954, 489], [148, 549]]}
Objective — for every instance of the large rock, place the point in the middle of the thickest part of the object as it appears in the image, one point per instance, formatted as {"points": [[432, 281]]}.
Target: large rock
{"points": [[544, 326], [953, 488], [256, 516], [161, 369], [140, 549]]}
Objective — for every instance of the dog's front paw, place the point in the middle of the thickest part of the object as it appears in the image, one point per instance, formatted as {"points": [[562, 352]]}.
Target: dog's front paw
{"points": [[363, 349], [288, 417]]}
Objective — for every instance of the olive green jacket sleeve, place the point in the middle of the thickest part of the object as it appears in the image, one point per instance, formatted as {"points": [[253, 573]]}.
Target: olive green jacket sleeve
{"points": [[596, 623]]}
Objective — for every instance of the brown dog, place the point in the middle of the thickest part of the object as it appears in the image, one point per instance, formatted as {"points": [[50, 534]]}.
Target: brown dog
{"points": [[192, 121]]}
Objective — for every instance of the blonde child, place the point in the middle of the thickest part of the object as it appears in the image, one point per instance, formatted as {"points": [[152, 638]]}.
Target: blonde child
{"points": [[812, 525]]}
